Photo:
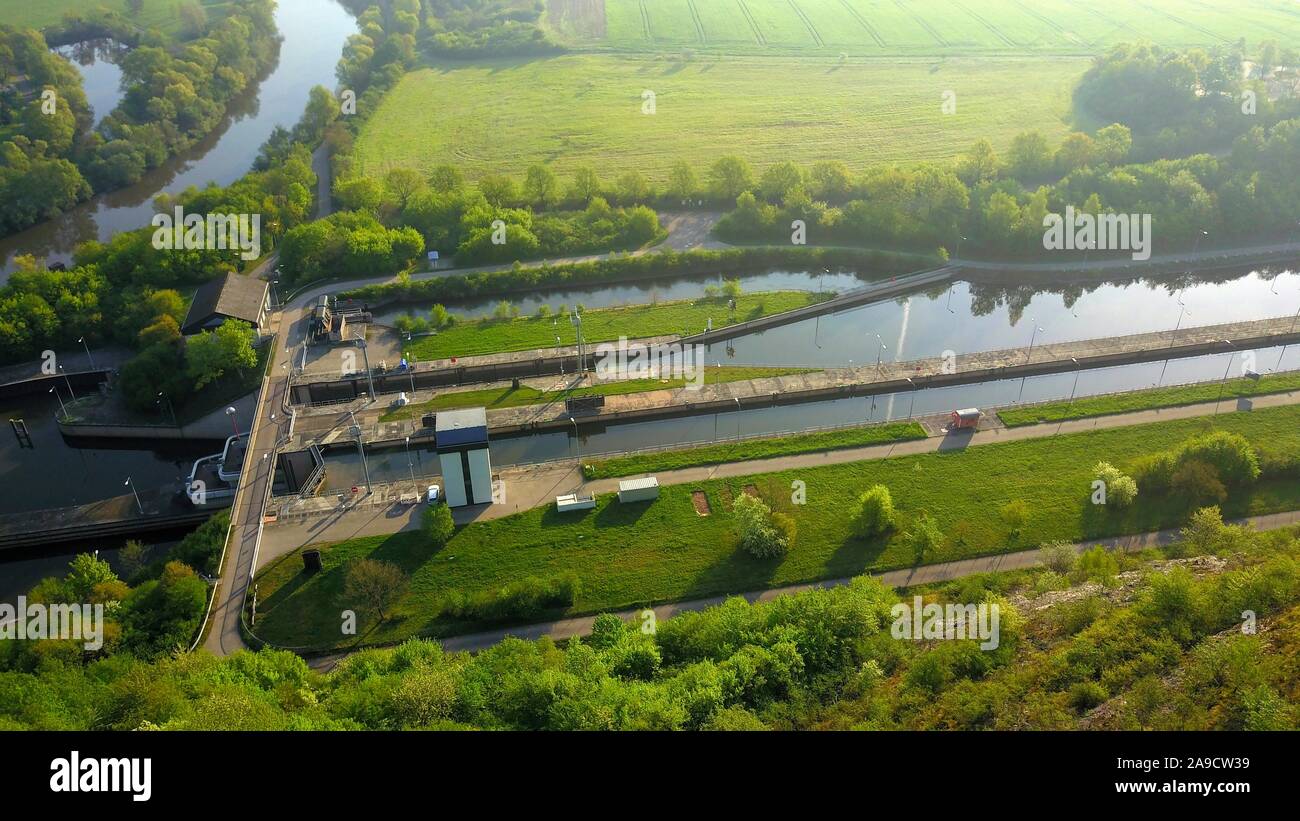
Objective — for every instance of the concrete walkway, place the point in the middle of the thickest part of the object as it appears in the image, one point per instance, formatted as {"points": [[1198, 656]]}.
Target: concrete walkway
{"points": [[907, 577]]}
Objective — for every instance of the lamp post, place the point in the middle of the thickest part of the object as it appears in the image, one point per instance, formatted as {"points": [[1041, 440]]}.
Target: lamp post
{"points": [[62, 406], [365, 355], [1029, 354], [951, 288], [138, 504], [71, 394], [1077, 371], [361, 449], [82, 340], [411, 467], [410, 371], [577, 447], [736, 399], [560, 355], [880, 354], [162, 397], [1196, 246], [1283, 353], [576, 320], [233, 425], [912, 405], [1223, 383], [960, 240]]}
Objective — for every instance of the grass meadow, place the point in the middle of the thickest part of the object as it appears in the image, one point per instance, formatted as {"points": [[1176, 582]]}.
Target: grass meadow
{"points": [[634, 554], [878, 27], [159, 14]]}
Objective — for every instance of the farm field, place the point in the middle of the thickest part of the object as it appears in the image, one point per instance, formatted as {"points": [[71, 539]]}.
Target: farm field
{"points": [[160, 14], [626, 555], [877, 27], [585, 109]]}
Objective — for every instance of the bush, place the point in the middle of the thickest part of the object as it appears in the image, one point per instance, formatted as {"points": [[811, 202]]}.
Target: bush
{"points": [[438, 525], [1058, 556], [1120, 490], [1098, 565], [875, 513], [1155, 471], [1230, 454], [1087, 694], [524, 599], [1198, 483], [758, 536]]}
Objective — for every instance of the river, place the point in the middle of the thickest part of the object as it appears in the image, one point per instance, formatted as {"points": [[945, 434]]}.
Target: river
{"points": [[314, 32]]}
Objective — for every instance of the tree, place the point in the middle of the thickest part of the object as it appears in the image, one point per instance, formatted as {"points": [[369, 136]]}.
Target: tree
{"points": [[779, 180], [924, 538], [498, 190], [212, 353], [586, 185], [85, 572], [875, 513], [541, 188], [758, 536], [1029, 157], [1014, 514], [132, 557], [375, 584], [979, 164], [1112, 143], [1120, 489], [438, 525], [402, 184], [1198, 483], [729, 177], [632, 187], [682, 183], [446, 178]]}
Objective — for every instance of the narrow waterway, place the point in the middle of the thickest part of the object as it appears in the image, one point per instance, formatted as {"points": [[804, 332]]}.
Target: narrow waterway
{"points": [[314, 32]]}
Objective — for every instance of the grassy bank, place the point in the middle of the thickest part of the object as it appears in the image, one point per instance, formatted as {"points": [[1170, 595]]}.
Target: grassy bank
{"points": [[507, 397], [604, 324], [1154, 398], [754, 449], [627, 555]]}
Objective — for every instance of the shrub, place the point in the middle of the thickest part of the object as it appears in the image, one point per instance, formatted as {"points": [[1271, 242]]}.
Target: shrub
{"points": [[875, 513], [438, 525], [1058, 556], [524, 599], [1229, 454], [1097, 565], [758, 535], [1198, 482], [1155, 471], [924, 537], [1120, 490], [1087, 694]]}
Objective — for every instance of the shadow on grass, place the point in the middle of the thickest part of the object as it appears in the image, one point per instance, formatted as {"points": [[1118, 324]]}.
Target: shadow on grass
{"points": [[738, 573]]}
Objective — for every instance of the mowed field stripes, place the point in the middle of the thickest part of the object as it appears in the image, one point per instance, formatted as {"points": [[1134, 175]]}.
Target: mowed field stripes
{"points": [[879, 27]]}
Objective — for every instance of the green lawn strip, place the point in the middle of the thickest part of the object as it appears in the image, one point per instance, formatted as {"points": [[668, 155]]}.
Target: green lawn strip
{"points": [[506, 397], [629, 555], [1169, 397], [487, 336], [754, 449]]}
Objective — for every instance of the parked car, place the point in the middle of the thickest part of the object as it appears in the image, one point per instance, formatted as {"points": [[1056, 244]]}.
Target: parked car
{"points": [[433, 495]]}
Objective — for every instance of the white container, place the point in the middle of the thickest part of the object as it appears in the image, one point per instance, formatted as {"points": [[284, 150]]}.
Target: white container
{"points": [[638, 490]]}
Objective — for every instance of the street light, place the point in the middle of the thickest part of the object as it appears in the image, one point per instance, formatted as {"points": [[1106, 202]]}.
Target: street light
{"points": [[162, 397], [361, 449], [233, 425], [415, 486], [136, 495], [71, 394], [1232, 354], [1196, 246], [62, 406], [912, 406], [1029, 354], [1280, 355], [736, 399], [1077, 371], [410, 371], [880, 353], [82, 340], [365, 355], [951, 288]]}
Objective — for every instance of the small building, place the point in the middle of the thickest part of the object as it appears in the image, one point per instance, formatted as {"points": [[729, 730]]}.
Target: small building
{"points": [[461, 439], [969, 418], [230, 296], [638, 490]]}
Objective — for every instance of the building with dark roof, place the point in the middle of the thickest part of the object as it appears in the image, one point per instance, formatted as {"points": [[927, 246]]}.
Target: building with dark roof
{"points": [[461, 438], [231, 296]]}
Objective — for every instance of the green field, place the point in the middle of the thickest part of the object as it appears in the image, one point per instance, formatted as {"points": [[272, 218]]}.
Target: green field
{"points": [[627, 555], [487, 336], [582, 109], [159, 14], [749, 449], [877, 27], [493, 398]]}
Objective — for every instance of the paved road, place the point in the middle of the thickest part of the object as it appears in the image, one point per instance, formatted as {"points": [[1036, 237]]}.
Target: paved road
{"points": [[907, 577]]}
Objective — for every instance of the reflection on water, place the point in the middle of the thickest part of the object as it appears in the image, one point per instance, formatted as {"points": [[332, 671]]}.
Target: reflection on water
{"points": [[101, 77], [314, 32]]}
